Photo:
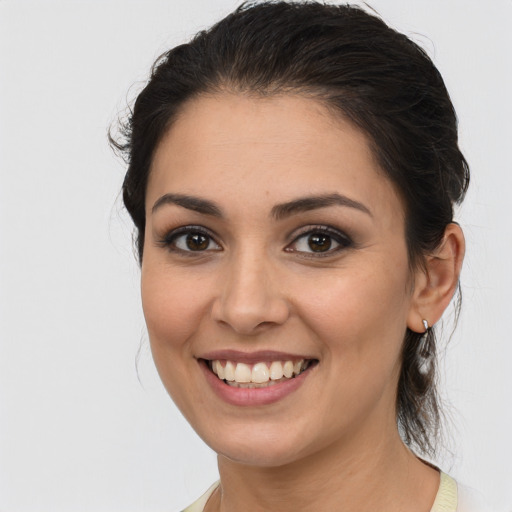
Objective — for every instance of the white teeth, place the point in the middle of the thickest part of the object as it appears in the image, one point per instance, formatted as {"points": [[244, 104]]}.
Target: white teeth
{"points": [[219, 370], [260, 373], [229, 371], [288, 369], [243, 373], [276, 370]]}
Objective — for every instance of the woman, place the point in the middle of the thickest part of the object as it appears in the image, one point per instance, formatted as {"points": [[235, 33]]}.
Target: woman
{"points": [[292, 175]]}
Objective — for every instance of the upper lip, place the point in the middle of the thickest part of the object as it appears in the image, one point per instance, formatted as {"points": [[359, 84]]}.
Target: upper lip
{"points": [[252, 357]]}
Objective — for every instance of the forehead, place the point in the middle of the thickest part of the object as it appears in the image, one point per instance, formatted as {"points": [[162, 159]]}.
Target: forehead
{"points": [[246, 150]]}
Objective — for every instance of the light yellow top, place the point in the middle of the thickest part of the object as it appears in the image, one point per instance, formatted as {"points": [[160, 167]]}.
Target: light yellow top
{"points": [[446, 498]]}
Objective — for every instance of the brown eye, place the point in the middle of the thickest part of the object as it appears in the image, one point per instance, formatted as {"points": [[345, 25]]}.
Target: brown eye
{"points": [[197, 241], [319, 242], [190, 239]]}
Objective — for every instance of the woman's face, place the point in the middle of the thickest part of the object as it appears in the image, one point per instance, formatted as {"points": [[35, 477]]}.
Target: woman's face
{"points": [[275, 246]]}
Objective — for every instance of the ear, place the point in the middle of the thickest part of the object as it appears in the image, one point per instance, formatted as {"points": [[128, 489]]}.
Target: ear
{"points": [[436, 282]]}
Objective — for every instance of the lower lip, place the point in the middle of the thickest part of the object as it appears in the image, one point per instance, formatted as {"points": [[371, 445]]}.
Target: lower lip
{"points": [[252, 396]]}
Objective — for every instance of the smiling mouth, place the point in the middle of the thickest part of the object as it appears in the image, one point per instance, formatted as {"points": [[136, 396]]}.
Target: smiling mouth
{"points": [[259, 375]]}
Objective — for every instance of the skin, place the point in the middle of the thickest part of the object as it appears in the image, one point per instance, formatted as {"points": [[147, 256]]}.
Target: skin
{"points": [[257, 285]]}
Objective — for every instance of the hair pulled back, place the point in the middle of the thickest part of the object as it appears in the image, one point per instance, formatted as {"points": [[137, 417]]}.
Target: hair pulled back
{"points": [[365, 71]]}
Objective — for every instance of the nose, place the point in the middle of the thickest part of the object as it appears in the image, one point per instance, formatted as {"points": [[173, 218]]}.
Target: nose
{"points": [[250, 297]]}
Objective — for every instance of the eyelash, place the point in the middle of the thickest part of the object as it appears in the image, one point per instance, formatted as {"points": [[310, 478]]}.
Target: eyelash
{"points": [[169, 240], [343, 241], [340, 238]]}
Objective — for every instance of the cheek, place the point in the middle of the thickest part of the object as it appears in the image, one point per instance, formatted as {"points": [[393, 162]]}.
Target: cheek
{"points": [[174, 309], [359, 322], [173, 304], [359, 315]]}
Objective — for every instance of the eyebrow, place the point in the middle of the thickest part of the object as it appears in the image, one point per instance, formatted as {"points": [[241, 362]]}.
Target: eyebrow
{"points": [[304, 204], [278, 212], [190, 203]]}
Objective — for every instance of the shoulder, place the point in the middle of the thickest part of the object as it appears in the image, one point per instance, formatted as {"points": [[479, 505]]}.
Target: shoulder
{"points": [[451, 497], [454, 497], [198, 506]]}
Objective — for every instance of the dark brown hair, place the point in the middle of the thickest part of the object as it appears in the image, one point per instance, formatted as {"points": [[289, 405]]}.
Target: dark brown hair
{"points": [[365, 71]]}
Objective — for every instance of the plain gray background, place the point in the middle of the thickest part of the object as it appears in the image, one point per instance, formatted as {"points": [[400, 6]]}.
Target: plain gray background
{"points": [[78, 431]]}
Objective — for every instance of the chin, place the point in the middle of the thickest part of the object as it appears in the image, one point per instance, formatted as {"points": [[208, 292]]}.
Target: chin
{"points": [[269, 457], [262, 447]]}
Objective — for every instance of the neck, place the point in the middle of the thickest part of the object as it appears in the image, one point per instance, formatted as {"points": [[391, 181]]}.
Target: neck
{"points": [[352, 476]]}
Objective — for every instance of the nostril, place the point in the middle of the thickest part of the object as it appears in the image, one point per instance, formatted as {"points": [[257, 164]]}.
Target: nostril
{"points": [[249, 300], [250, 317]]}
